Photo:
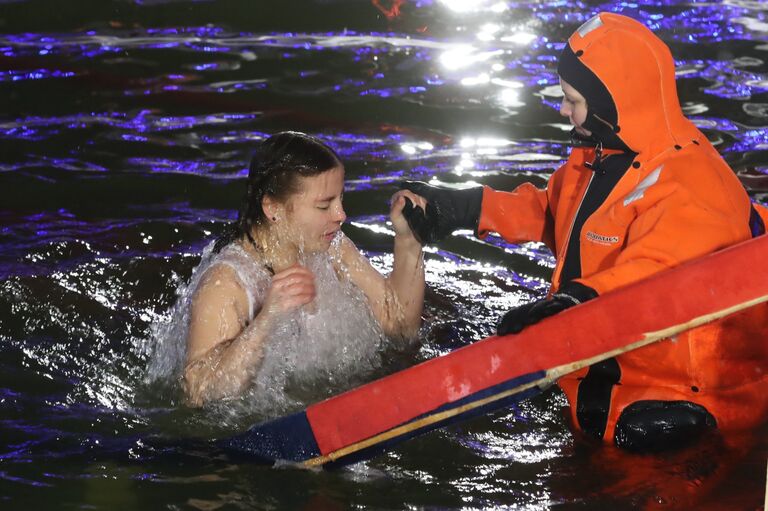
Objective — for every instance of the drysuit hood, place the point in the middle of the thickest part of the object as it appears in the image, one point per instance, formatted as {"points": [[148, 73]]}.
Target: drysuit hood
{"points": [[627, 76]]}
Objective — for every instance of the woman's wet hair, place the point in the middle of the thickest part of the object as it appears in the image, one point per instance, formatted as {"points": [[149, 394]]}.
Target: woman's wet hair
{"points": [[276, 166]]}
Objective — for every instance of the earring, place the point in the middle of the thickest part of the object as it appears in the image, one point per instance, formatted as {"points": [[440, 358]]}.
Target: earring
{"points": [[274, 219]]}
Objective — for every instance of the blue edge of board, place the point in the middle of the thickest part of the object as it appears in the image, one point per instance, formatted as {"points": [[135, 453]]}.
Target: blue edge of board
{"points": [[291, 438]]}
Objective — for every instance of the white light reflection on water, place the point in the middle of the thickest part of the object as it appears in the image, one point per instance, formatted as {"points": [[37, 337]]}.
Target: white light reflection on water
{"points": [[464, 56], [510, 98], [511, 84], [488, 31], [757, 5], [690, 108], [414, 148], [481, 79], [466, 6], [521, 38], [551, 91], [535, 157], [448, 275], [465, 163], [756, 110], [478, 148], [485, 142], [753, 24], [468, 56], [529, 447]]}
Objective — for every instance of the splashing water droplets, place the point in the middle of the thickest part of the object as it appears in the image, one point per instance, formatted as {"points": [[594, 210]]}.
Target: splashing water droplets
{"points": [[315, 351]]}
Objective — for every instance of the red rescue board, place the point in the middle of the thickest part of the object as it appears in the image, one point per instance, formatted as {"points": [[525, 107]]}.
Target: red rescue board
{"points": [[490, 372]]}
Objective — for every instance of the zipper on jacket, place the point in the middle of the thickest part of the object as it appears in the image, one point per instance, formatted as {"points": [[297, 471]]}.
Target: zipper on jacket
{"points": [[564, 249], [606, 175]]}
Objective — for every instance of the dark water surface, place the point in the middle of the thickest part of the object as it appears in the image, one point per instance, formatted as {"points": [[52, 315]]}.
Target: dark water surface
{"points": [[125, 131]]}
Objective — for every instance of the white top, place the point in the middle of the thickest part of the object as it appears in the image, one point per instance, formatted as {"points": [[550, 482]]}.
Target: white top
{"points": [[318, 350]]}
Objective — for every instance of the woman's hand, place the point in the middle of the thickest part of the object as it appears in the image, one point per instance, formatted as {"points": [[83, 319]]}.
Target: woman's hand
{"points": [[397, 204], [290, 289]]}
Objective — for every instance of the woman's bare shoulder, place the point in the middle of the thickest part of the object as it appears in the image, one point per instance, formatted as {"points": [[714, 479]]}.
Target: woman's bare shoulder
{"points": [[346, 251], [220, 284], [354, 263], [220, 275]]}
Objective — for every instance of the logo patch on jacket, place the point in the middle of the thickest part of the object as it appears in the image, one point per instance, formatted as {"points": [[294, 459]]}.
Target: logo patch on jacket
{"points": [[601, 239]]}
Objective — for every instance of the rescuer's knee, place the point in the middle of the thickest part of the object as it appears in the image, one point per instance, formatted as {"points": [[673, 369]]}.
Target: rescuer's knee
{"points": [[652, 426]]}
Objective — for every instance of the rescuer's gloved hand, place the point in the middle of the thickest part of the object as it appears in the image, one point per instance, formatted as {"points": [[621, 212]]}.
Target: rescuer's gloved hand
{"points": [[570, 294], [447, 210]]}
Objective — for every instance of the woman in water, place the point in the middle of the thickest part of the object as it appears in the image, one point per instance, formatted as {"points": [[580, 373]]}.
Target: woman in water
{"points": [[284, 289]]}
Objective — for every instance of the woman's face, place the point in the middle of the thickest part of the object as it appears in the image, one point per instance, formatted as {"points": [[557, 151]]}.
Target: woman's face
{"points": [[312, 217], [574, 106]]}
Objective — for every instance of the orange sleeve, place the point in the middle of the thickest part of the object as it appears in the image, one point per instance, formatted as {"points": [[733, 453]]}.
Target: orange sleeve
{"points": [[676, 229], [520, 215]]}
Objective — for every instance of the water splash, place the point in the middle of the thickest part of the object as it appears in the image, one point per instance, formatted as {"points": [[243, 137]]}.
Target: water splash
{"points": [[314, 352]]}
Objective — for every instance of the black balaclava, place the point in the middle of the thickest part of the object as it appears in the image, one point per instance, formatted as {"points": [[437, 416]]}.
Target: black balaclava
{"points": [[602, 117]]}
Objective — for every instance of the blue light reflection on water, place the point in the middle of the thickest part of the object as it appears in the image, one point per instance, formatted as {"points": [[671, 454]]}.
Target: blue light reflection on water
{"points": [[39, 74]]}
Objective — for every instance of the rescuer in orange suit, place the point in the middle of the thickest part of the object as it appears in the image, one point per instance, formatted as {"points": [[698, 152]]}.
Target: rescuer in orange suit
{"points": [[643, 190]]}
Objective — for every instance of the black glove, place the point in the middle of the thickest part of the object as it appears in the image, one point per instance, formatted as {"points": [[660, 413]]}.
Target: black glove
{"points": [[570, 294], [447, 210]]}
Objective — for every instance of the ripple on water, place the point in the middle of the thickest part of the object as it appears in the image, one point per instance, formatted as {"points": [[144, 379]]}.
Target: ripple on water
{"points": [[759, 110]]}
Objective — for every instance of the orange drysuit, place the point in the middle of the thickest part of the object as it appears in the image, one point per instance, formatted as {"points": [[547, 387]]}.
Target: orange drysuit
{"points": [[673, 199]]}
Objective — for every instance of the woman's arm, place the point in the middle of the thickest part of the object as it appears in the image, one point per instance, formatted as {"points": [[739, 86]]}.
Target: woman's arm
{"points": [[224, 351], [397, 300]]}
